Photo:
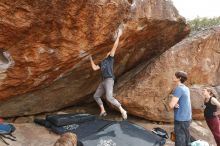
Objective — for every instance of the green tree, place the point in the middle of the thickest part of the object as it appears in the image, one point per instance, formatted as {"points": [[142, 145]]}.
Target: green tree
{"points": [[202, 23]]}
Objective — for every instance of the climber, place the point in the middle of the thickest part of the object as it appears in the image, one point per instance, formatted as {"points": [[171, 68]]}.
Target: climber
{"points": [[107, 82]]}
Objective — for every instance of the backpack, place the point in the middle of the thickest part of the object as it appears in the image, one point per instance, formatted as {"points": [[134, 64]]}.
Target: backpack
{"points": [[6, 131], [160, 132]]}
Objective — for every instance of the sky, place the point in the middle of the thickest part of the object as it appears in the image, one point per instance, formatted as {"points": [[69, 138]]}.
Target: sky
{"points": [[203, 8]]}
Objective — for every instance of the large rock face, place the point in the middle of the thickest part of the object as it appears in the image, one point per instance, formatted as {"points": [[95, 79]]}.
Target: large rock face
{"points": [[142, 90], [45, 66]]}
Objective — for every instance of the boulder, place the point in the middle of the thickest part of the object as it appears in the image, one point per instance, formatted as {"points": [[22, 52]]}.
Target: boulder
{"points": [[142, 90], [45, 45]]}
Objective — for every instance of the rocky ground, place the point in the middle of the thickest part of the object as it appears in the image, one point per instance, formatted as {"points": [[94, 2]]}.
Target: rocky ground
{"points": [[30, 134]]}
